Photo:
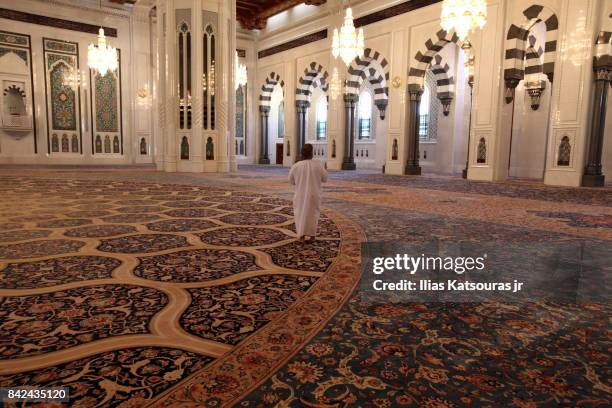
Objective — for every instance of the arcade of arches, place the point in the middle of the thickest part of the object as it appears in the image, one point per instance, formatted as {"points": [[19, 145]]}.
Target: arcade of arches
{"points": [[148, 250]]}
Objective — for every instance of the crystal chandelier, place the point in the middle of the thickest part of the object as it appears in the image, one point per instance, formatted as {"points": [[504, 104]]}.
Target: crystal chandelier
{"points": [[463, 16], [241, 73], [348, 44], [102, 57]]}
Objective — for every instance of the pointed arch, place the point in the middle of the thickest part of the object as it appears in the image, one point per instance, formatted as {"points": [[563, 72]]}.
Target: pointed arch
{"points": [[533, 61], [516, 43], [444, 82], [423, 59], [266, 90], [314, 76], [375, 68]]}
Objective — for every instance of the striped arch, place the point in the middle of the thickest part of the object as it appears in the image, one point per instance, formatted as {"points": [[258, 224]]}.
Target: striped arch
{"points": [[314, 76], [416, 75], [266, 90], [444, 82], [516, 43], [533, 61], [375, 68]]}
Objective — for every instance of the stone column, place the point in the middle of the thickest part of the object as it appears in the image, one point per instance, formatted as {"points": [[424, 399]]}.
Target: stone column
{"points": [[170, 93], [225, 81], [189, 80], [301, 109], [264, 112], [233, 164], [350, 104], [602, 65], [412, 131], [464, 173]]}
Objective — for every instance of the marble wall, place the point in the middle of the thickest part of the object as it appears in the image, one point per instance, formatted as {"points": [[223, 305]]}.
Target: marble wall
{"points": [[564, 110], [129, 109], [80, 117]]}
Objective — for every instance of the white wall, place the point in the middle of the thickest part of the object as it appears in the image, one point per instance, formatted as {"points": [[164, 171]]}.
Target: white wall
{"points": [[529, 132], [273, 136], [136, 68]]}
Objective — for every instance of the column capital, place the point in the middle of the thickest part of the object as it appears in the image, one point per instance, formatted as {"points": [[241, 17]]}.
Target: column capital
{"points": [[535, 89], [264, 110], [415, 91], [602, 60], [302, 105], [603, 74], [382, 107], [351, 98], [512, 83]]}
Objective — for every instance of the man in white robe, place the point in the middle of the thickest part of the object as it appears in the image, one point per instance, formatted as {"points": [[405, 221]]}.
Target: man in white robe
{"points": [[307, 176]]}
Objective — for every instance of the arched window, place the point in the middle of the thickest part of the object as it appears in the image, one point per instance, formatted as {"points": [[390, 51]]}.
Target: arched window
{"points": [[322, 118], [208, 78], [277, 106], [240, 119], [424, 114], [281, 119], [365, 115]]}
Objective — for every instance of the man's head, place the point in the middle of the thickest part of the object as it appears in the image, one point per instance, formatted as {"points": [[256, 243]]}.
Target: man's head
{"points": [[306, 152]]}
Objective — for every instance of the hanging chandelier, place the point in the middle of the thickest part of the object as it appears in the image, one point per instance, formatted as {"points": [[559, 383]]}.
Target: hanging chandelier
{"points": [[463, 16], [102, 57], [241, 73], [348, 43]]}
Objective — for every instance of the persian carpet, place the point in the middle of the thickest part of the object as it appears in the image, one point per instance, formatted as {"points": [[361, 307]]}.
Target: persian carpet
{"points": [[133, 293]]}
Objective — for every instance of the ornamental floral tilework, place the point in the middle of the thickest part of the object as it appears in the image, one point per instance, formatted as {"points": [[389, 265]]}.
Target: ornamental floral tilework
{"points": [[23, 54], [61, 46], [106, 102], [106, 108], [61, 70], [14, 39], [63, 109]]}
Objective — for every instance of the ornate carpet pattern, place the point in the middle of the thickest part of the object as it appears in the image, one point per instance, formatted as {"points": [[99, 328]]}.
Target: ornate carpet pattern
{"points": [[133, 293], [238, 344]]}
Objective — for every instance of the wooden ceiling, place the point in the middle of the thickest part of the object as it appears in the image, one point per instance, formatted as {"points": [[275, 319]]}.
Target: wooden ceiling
{"points": [[253, 14]]}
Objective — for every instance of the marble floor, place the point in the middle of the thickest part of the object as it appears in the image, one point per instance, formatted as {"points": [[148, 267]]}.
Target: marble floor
{"points": [[135, 288]]}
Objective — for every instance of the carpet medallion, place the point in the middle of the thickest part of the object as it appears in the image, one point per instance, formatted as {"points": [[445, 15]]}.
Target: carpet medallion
{"points": [[134, 294]]}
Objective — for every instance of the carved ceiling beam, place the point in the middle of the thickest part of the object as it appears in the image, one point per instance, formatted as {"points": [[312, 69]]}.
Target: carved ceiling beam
{"points": [[251, 19]]}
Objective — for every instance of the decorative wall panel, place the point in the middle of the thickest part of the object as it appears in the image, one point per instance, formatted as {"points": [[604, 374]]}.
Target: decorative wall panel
{"points": [[62, 91], [17, 82], [106, 111], [184, 67], [240, 121], [210, 23]]}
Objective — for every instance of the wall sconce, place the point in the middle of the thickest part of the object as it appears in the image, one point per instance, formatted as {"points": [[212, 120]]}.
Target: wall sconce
{"points": [[142, 96], [535, 89], [382, 108], [396, 82], [470, 71], [446, 105], [511, 85]]}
